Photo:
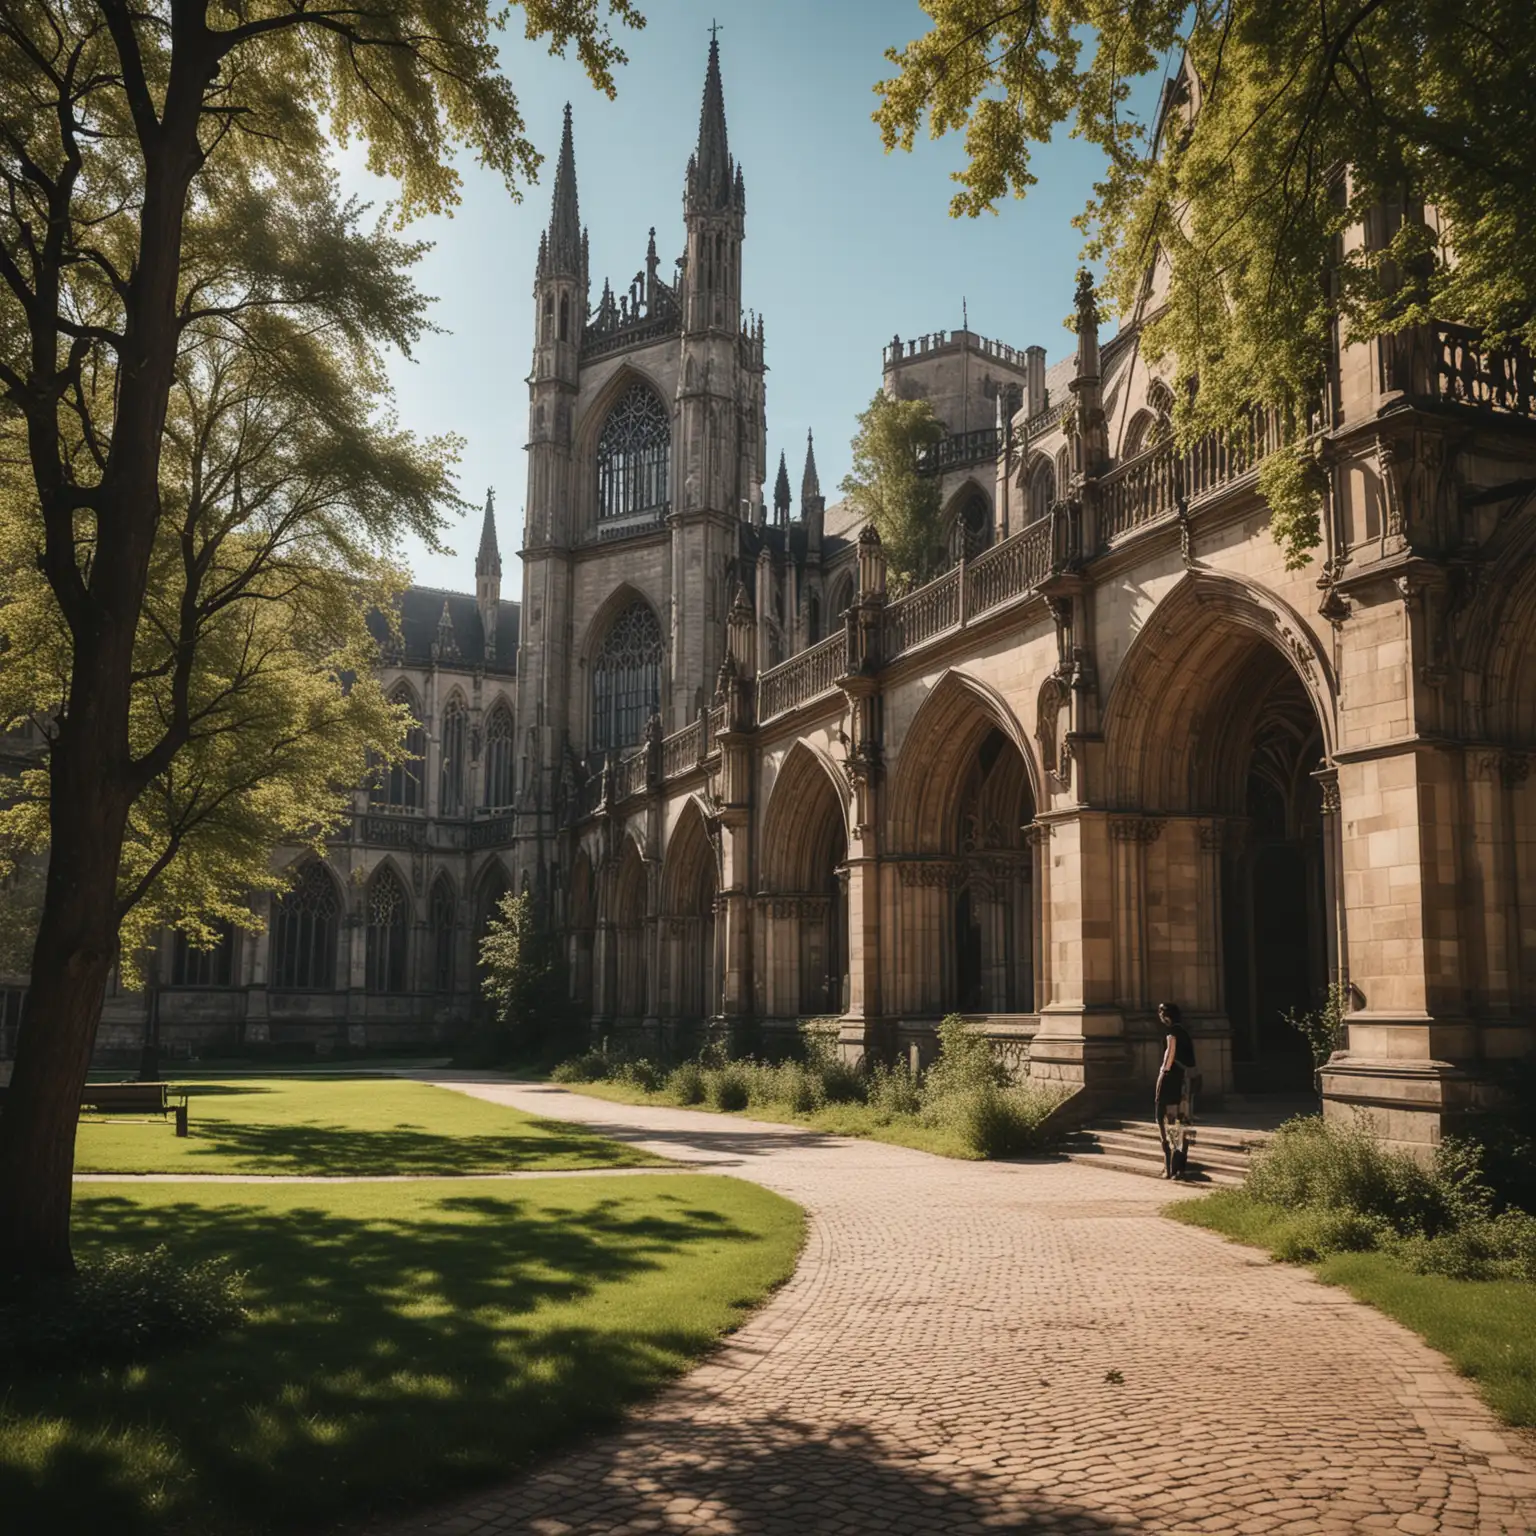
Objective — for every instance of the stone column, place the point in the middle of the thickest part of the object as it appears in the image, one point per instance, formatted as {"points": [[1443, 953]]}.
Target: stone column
{"points": [[1410, 1037], [1081, 1038]]}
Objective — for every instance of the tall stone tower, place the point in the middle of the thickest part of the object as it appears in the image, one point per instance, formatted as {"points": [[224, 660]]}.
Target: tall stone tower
{"points": [[646, 443]]}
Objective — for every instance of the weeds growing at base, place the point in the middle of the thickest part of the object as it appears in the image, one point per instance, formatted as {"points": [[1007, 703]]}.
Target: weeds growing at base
{"points": [[964, 1104]]}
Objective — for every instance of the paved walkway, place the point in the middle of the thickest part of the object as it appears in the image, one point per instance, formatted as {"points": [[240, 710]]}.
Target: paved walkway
{"points": [[972, 1347]]}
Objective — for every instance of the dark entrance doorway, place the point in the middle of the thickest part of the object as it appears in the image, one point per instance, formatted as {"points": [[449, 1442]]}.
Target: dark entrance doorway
{"points": [[1274, 896]]}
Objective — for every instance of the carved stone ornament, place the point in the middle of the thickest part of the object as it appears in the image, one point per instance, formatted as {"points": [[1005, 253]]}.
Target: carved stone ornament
{"points": [[1213, 835], [1509, 768], [1135, 829], [1054, 752], [1298, 647], [932, 874]]}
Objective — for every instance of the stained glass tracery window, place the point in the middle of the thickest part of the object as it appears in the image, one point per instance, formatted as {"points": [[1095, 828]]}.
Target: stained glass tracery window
{"points": [[634, 456], [453, 798], [304, 934], [443, 910], [398, 786], [387, 910], [626, 679], [498, 758]]}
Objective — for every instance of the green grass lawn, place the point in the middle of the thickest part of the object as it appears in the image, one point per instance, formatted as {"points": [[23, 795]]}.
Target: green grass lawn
{"points": [[341, 1125], [832, 1120], [1487, 1328], [406, 1342]]}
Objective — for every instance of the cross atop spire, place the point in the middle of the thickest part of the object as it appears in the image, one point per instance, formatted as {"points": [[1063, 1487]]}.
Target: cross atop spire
{"points": [[810, 483], [564, 246]]}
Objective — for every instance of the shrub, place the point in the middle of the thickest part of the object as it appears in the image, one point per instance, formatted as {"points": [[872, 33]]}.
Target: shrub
{"points": [[686, 1083], [796, 1086], [1312, 1163], [993, 1121], [1325, 1029], [894, 1090], [589, 1067], [841, 1082], [120, 1306], [965, 1062], [1501, 1247], [728, 1087], [640, 1073], [1314, 1234]]}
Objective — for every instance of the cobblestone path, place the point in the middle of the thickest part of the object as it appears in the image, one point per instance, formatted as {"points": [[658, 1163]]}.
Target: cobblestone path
{"points": [[975, 1347]]}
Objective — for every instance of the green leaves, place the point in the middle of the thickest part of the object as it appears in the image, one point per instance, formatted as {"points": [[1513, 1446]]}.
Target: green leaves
{"points": [[1328, 171], [887, 490]]}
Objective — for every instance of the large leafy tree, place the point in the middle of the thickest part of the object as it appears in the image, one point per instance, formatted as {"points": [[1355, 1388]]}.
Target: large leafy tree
{"points": [[885, 487], [1290, 128], [200, 483]]}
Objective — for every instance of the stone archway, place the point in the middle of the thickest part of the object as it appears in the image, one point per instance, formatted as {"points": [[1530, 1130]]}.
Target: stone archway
{"points": [[581, 926], [627, 984], [805, 897], [962, 797], [1223, 861], [690, 970]]}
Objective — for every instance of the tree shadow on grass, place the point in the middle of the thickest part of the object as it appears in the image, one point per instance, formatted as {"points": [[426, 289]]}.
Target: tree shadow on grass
{"points": [[388, 1359], [319, 1149], [768, 1475]]}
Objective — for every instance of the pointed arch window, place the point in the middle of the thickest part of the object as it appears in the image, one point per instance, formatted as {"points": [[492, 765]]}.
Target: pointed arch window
{"points": [[304, 934], [397, 786], [634, 456], [444, 933], [1042, 490], [498, 758], [626, 679], [387, 932], [194, 967], [453, 770], [972, 531]]}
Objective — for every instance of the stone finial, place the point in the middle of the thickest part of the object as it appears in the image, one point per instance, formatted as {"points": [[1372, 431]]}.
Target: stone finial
{"points": [[445, 647]]}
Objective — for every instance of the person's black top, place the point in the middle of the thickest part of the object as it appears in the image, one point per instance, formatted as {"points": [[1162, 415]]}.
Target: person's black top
{"points": [[1183, 1046]]}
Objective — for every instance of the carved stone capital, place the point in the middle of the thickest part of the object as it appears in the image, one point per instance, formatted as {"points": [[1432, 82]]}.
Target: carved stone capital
{"points": [[1135, 829]]}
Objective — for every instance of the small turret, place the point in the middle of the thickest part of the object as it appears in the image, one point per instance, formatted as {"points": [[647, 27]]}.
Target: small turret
{"points": [[560, 286], [714, 209], [813, 505], [781, 493]]}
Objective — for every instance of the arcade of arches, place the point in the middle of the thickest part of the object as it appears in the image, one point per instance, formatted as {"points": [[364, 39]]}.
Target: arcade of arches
{"points": [[1050, 847]]}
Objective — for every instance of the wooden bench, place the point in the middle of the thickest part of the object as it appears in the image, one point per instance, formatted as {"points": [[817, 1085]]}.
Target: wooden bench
{"points": [[137, 1099]]}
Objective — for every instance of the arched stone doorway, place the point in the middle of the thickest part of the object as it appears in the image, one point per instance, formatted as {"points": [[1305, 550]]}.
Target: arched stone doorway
{"points": [[690, 991], [805, 897], [628, 984], [961, 801], [1221, 880], [581, 924]]}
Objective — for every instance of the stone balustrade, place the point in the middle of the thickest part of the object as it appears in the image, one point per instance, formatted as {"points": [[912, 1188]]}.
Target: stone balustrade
{"points": [[802, 678]]}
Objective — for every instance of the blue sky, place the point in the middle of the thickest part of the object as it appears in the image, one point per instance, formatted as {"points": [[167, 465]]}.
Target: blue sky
{"points": [[845, 245]]}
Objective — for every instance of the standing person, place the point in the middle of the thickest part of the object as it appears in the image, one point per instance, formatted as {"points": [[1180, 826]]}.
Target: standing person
{"points": [[1175, 1089]]}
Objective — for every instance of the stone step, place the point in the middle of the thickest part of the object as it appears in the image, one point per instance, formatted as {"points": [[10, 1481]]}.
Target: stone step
{"points": [[1124, 1144], [1152, 1168], [1225, 1137], [1216, 1157]]}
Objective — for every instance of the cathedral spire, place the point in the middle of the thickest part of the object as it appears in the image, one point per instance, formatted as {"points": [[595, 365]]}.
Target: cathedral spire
{"points": [[810, 483], [781, 493], [488, 560], [564, 245], [713, 181]]}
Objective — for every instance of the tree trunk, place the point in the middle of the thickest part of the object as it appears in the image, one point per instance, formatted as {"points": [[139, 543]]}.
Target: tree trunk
{"points": [[71, 960]]}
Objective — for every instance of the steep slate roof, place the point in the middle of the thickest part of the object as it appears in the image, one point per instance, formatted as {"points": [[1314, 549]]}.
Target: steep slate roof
{"points": [[421, 612]]}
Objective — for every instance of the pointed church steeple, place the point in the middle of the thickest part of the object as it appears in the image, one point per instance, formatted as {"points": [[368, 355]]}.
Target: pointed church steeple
{"points": [[781, 493], [488, 577], [714, 182], [810, 484], [563, 248], [488, 560]]}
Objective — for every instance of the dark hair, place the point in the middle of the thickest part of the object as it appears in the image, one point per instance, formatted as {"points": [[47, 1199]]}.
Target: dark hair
{"points": [[1172, 1010]]}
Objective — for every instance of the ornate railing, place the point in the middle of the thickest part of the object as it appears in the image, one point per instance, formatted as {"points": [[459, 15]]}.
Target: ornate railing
{"points": [[683, 750], [803, 677], [921, 614], [714, 720], [1009, 569], [629, 775], [1148, 487], [1467, 372], [487, 834], [965, 448]]}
